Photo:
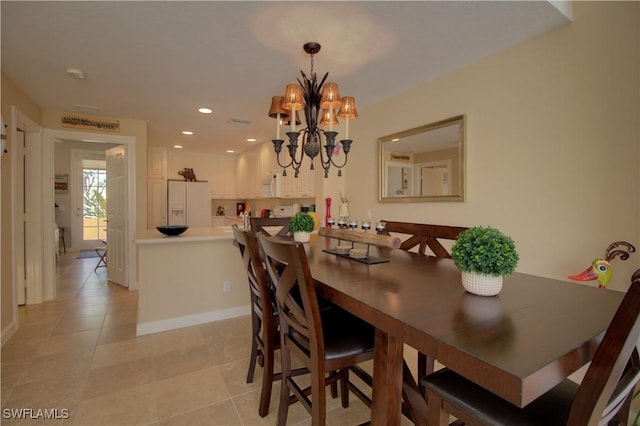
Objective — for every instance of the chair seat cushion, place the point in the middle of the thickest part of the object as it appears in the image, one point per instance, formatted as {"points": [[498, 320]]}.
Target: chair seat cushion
{"points": [[344, 334], [550, 409]]}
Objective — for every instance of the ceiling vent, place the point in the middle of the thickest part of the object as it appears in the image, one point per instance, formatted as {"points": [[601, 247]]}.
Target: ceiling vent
{"points": [[85, 108], [240, 121]]}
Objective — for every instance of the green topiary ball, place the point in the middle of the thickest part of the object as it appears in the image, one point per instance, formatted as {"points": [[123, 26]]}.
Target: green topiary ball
{"points": [[485, 250]]}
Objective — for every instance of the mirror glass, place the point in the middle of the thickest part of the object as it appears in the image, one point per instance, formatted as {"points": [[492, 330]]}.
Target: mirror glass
{"points": [[423, 164]]}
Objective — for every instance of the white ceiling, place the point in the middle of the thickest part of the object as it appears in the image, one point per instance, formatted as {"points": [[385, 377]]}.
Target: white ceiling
{"points": [[160, 61]]}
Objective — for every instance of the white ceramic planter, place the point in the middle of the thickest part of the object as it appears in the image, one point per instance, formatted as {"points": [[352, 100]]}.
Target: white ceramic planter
{"points": [[482, 285], [301, 237]]}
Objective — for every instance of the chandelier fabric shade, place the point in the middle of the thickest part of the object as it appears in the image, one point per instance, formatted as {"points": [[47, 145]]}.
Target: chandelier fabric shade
{"points": [[276, 108], [293, 99], [330, 96], [328, 115], [322, 105], [348, 108]]}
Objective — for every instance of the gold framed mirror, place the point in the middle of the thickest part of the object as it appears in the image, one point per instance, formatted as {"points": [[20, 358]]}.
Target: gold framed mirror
{"points": [[423, 164]]}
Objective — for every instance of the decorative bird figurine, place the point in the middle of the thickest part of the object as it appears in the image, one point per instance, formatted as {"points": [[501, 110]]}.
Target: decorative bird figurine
{"points": [[600, 269]]}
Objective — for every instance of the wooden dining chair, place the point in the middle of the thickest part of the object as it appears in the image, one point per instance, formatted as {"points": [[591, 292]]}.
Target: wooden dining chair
{"points": [[329, 344], [602, 398], [265, 337], [262, 224], [424, 236]]}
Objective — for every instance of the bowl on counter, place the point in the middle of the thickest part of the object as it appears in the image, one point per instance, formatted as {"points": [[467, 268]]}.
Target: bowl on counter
{"points": [[172, 230]]}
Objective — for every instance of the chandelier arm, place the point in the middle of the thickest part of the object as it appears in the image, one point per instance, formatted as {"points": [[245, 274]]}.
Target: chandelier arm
{"points": [[282, 166], [326, 164], [346, 147], [293, 146], [341, 166], [277, 147]]}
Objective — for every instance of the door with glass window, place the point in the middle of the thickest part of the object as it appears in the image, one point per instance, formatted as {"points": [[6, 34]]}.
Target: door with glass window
{"points": [[90, 205]]}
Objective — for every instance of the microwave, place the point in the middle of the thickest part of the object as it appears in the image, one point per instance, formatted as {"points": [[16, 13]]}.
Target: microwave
{"points": [[271, 186]]}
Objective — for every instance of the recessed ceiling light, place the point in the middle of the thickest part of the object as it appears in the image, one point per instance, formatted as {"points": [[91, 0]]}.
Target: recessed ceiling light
{"points": [[177, 146], [75, 73], [205, 110], [187, 132], [230, 151], [251, 140], [395, 139]]}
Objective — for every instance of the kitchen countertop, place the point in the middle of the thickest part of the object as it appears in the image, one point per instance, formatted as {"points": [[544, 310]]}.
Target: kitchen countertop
{"points": [[153, 236]]}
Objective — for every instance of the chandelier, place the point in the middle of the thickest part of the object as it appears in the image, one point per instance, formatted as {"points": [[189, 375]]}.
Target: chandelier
{"points": [[322, 105]]}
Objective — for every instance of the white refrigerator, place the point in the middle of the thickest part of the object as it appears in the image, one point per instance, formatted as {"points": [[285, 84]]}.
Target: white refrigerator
{"points": [[188, 203]]}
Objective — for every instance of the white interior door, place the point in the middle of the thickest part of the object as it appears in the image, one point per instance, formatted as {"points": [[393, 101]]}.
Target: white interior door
{"points": [[117, 247], [431, 181]]}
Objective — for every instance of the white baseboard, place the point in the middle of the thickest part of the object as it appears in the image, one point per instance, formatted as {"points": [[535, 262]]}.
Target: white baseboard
{"points": [[9, 331], [189, 320]]}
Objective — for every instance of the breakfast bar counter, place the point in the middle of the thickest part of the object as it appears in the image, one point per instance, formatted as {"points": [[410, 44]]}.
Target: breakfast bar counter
{"points": [[153, 236], [189, 279]]}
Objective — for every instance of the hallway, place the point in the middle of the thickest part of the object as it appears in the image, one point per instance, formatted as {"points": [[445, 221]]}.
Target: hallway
{"points": [[79, 354]]}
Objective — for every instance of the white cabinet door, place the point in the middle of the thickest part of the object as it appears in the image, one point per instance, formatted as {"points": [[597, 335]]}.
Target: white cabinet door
{"points": [[268, 161], [248, 175], [156, 202], [253, 174], [156, 162], [241, 181], [289, 184], [306, 182], [304, 186], [223, 176]]}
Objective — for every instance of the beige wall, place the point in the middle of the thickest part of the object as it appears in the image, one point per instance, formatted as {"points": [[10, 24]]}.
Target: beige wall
{"points": [[137, 128], [11, 96], [553, 136]]}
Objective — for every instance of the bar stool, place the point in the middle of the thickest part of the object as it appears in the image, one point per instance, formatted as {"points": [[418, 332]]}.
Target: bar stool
{"points": [[102, 256], [61, 242]]}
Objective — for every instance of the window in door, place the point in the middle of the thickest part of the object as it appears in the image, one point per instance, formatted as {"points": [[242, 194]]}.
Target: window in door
{"points": [[94, 203]]}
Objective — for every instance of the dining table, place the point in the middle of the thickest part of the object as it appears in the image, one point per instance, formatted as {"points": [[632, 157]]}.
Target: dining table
{"points": [[519, 344]]}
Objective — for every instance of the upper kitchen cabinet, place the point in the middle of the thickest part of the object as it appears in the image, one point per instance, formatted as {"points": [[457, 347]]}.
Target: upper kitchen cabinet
{"points": [[268, 162], [156, 162], [248, 175], [199, 162], [304, 186], [223, 176]]}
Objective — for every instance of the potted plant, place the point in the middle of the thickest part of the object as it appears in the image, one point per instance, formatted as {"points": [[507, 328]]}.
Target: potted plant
{"points": [[484, 255], [301, 225]]}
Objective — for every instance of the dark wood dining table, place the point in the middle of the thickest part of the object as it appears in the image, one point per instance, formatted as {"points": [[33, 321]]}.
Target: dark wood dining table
{"points": [[518, 344]]}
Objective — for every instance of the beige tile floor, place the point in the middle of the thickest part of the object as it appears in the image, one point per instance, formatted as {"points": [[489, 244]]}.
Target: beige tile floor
{"points": [[80, 353]]}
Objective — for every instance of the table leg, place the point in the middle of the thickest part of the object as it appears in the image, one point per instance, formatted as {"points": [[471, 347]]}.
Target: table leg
{"points": [[415, 406], [387, 380]]}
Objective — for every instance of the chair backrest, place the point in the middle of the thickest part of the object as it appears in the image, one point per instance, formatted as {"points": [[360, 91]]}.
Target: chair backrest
{"points": [[258, 224], [262, 298], [300, 322], [615, 368], [424, 235]]}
